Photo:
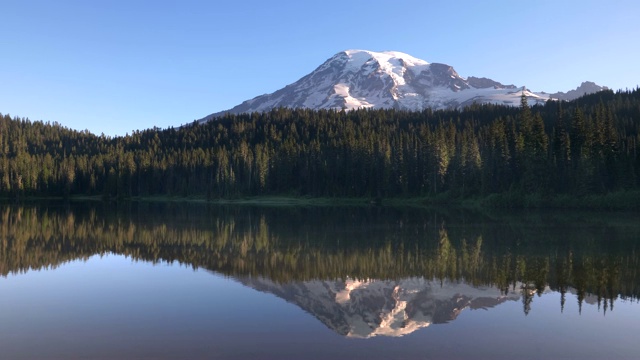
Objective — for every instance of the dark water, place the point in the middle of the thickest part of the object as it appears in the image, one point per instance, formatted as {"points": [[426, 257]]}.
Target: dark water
{"points": [[196, 282]]}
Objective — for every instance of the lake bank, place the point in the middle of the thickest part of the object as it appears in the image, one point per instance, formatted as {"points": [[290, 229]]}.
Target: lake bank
{"points": [[614, 201], [621, 200]]}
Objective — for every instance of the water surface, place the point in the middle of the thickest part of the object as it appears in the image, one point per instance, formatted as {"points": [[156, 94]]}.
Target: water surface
{"points": [[181, 281]]}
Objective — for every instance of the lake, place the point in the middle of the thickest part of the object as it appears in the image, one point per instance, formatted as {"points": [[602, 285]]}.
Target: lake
{"points": [[179, 281]]}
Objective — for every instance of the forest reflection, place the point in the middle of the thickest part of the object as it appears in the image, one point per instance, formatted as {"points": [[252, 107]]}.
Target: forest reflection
{"points": [[586, 254]]}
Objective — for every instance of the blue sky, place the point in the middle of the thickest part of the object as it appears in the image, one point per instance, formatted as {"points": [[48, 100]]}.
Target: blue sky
{"points": [[115, 66]]}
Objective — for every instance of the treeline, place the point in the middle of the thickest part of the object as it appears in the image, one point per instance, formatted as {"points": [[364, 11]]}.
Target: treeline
{"points": [[289, 245], [587, 146]]}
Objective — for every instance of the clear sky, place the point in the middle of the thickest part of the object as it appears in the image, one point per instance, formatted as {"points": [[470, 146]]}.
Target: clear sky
{"points": [[113, 66]]}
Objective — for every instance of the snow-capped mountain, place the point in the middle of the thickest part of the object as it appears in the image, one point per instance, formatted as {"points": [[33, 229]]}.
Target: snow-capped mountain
{"points": [[355, 79], [368, 308]]}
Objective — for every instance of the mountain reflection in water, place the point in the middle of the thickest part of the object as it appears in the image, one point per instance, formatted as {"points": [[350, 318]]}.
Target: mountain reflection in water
{"points": [[363, 272], [363, 309]]}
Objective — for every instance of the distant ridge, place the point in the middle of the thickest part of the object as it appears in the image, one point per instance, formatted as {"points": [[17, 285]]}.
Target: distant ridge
{"points": [[586, 87]]}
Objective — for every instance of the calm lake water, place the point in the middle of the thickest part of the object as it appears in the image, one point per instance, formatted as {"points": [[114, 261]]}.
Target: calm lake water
{"points": [[174, 281]]}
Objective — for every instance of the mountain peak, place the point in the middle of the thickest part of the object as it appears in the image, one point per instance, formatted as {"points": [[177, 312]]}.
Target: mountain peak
{"points": [[354, 79], [383, 56]]}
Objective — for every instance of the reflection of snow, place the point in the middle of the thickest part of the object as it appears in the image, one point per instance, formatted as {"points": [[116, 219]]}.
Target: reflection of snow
{"points": [[367, 308]]}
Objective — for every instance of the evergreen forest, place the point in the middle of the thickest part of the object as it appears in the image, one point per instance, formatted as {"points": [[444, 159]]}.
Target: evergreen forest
{"points": [[561, 150]]}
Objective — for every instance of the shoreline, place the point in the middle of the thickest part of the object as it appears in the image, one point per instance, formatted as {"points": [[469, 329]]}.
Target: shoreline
{"points": [[615, 201]]}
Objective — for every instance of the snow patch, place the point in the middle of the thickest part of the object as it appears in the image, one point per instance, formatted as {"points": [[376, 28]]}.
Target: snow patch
{"points": [[351, 103]]}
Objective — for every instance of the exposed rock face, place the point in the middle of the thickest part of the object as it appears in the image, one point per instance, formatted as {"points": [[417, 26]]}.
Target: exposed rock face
{"points": [[483, 83]]}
